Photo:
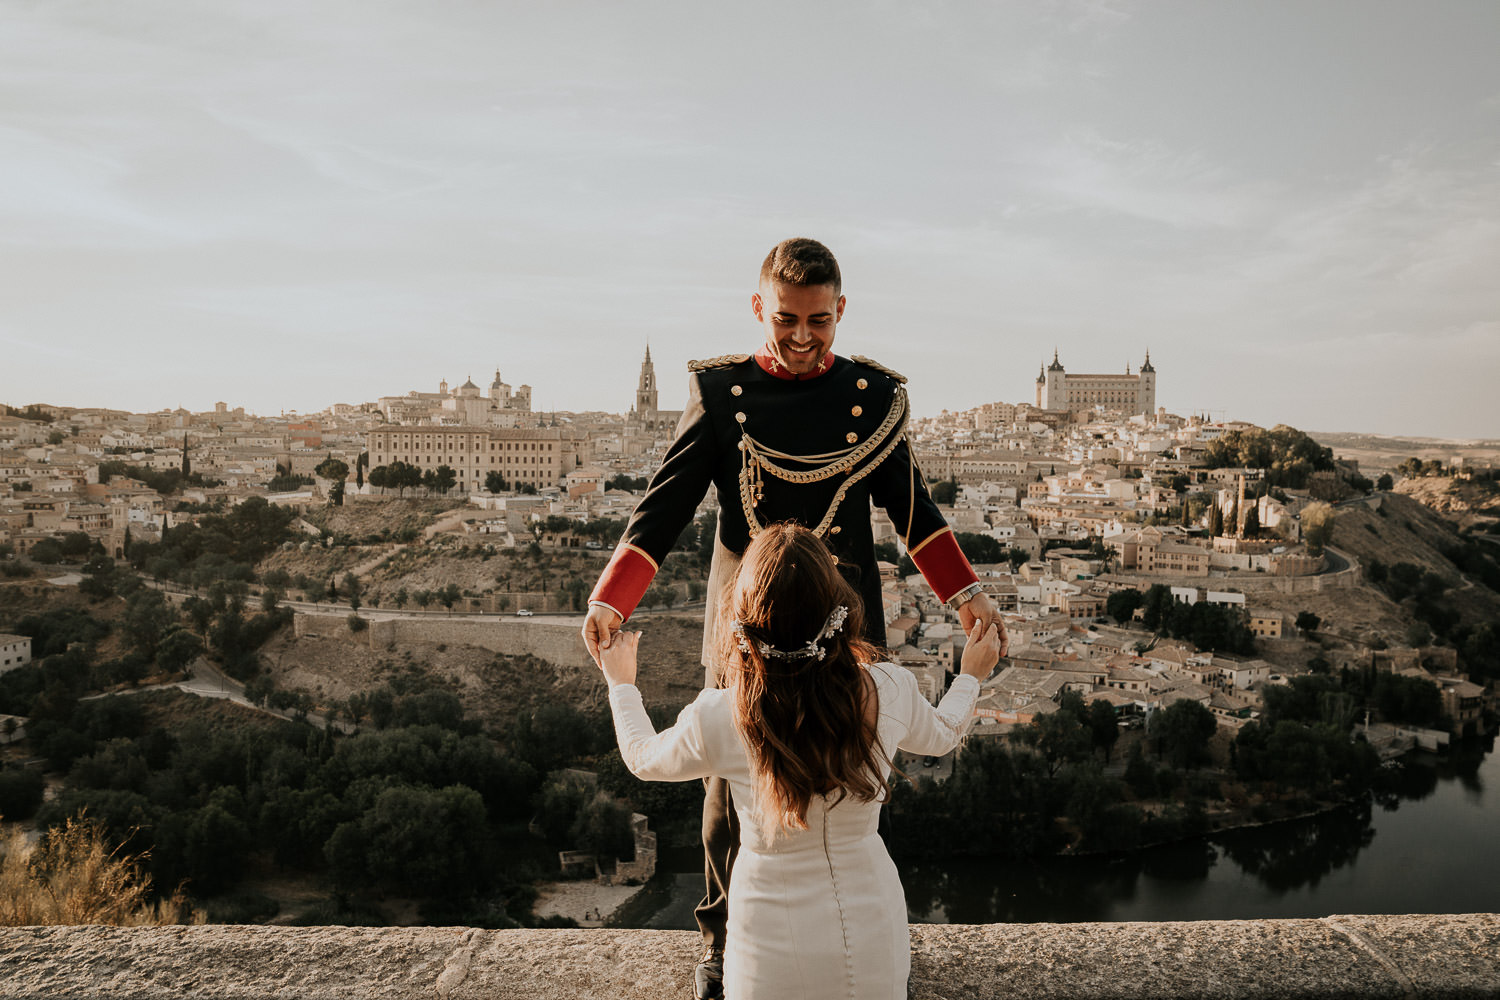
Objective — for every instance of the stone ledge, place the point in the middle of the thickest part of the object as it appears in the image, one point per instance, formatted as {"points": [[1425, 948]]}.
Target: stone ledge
{"points": [[1343, 956]]}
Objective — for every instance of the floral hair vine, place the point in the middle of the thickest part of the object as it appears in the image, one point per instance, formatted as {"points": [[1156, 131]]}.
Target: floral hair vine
{"points": [[814, 648]]}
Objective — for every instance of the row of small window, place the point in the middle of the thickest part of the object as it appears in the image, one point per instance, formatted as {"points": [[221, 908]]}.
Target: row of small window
{"points": [[528, 460], [496, 445]]}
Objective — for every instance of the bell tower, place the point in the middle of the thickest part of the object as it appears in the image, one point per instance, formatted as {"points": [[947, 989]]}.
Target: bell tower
{"points": [[645, 390]]}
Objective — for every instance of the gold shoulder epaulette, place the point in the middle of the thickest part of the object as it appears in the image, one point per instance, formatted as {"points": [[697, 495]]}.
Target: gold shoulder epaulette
{"points": [[722, 361], [878, 367]]}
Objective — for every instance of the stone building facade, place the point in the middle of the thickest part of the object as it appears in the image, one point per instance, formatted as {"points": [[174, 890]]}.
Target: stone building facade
{"points": [[536, 456], [1127, 393]]}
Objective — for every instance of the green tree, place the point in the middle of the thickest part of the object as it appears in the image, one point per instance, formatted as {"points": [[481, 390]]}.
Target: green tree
{"points": [[1121, 604], [1104, 727], [433, 842], [1385, 482], [48, 552], [945, 492], [494, 482], [200, 612], [177, 649], [333, 468], [443, 479], [145, 621], [1307, 621], [1060, 737], [1182, 731], [1139, 774], [602, 827], [352, 590], [1317, 526], [979, 548]]}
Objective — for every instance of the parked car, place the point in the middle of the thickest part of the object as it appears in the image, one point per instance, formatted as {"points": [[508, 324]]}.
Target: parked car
{"points": [[524, 613]]}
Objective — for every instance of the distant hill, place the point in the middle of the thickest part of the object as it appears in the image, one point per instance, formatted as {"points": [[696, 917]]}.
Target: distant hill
{"points": [[1377, 453]]}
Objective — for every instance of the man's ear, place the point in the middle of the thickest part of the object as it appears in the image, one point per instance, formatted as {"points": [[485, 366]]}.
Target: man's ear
{"points": [[757, 304], [839, 310]]}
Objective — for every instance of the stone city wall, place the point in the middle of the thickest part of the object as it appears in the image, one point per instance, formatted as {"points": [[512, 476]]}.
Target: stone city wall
{"points": [[1248, 582], [555, 643], [1442, 957]]}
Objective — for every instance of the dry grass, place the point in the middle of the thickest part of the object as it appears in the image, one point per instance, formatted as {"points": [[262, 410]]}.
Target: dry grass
{"points": [[72, 876]]}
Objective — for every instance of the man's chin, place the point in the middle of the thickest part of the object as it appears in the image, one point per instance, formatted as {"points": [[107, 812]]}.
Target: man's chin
{"points": [[801, 366]]}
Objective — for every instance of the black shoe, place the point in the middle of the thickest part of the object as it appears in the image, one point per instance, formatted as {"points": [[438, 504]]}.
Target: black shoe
{"points": [[708, 976]]}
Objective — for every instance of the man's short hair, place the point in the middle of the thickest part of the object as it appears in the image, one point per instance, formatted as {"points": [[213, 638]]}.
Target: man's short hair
{"points": [[801, 261]]}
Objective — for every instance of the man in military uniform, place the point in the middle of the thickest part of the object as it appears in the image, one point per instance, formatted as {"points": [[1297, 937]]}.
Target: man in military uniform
{"points": [[791, 433]]}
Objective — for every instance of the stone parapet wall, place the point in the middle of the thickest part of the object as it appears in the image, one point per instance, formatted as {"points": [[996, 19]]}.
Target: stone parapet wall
{"points": [[1248, 582], [555, 643], [1422, 957]]}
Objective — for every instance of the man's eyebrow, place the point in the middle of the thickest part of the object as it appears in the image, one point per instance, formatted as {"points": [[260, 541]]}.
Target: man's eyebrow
{"points": [[788, 312]]}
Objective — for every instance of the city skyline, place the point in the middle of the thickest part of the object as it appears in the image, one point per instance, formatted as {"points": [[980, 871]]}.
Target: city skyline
{"points": [[1296, 211]]}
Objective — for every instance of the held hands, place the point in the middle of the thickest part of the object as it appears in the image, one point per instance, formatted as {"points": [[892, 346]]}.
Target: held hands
{"points": [[617, 660], [980, 608], [600, 628], [983, 650]]}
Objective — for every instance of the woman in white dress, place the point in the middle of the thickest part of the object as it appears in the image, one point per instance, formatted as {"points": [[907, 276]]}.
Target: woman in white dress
{"points": [[804, 732]]}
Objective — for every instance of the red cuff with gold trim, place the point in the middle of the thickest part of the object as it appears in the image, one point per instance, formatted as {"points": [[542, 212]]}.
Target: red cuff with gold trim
{"points": [[942, 564], [624, 580]]}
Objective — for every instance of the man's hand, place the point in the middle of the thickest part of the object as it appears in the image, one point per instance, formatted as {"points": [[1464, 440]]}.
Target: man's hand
{"points": [[981, 608], [599, 629], [982, 651]]}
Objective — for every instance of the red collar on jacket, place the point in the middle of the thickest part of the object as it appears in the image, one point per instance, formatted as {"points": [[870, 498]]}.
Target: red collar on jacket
{"points": [[772, 367]]}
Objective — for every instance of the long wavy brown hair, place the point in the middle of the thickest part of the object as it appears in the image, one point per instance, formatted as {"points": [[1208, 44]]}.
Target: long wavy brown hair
{"points": [[809, 723]]}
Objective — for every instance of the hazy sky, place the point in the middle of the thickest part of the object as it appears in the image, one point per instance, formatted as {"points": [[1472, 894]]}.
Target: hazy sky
{"points": [[1294, 205]]}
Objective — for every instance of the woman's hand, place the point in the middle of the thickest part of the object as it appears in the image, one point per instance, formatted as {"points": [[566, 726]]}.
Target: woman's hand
{"points": [[617, 660], [982, 651]]}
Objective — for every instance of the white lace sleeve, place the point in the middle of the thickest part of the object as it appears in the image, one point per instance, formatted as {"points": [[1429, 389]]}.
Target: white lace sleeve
{"points": [[937, 730], [675, 754]]}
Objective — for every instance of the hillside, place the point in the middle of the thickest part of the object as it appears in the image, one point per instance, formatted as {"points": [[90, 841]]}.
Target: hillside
{"points": [[1464, 502], [1392, 528], [391, 517], [492, 687]]}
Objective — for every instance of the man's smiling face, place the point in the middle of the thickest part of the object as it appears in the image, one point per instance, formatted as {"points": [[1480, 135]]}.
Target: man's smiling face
{"points": [[800, 321]]}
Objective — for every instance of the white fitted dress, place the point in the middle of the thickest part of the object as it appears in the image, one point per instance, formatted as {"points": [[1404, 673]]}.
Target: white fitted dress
{"points": [[816, 912]]}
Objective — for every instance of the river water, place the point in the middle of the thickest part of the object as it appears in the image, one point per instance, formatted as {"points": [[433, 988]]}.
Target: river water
{"points": [[1429, 843]]}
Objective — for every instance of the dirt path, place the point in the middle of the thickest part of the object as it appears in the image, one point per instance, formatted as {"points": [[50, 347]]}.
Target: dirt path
{"points": [[207, 681]]}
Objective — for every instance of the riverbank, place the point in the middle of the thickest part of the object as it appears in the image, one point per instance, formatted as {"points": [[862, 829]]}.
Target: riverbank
{"points": [[589, 904]]}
